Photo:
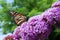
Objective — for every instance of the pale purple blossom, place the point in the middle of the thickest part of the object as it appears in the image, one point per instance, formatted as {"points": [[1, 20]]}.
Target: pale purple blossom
{"points": [[56, 4]]}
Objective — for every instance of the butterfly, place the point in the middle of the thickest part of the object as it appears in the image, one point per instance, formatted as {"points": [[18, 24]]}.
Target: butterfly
{"points": [[17, 17]]}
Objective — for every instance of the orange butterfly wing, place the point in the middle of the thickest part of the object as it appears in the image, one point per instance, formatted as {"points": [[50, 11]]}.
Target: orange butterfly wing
{"points": [[18, 18]]}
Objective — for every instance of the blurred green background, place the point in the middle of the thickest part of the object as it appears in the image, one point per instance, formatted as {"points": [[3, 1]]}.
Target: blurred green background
{"points": [[28, 8]]}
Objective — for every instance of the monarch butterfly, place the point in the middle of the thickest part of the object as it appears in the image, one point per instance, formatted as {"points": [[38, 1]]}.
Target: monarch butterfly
{"points": [[18, 18]]}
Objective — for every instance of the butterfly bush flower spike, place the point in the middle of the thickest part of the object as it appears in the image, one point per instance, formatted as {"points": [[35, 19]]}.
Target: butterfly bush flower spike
{"points": [[34, 29]]}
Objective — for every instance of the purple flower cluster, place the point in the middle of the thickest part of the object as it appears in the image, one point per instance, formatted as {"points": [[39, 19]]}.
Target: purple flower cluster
{"points": [[38, 27], [56, 4], [36, 30], [52, 15]]}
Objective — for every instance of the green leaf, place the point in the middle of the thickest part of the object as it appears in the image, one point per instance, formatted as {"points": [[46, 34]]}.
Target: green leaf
{"points": [[33, 13]]}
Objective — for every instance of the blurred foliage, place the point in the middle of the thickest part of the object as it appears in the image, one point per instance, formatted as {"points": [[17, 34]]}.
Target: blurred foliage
{"points": [[28, 8]]}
